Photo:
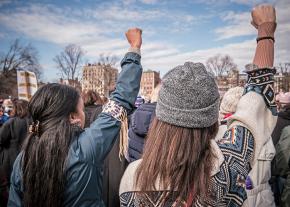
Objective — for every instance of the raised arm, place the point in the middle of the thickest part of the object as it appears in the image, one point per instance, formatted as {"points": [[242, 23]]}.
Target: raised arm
{"points": [[98, 139], [264, 20], [252, 124], [260, 76], [128, 83]]}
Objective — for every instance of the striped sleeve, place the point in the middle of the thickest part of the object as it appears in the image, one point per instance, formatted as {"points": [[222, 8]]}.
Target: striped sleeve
{"points": [[228, 185]]}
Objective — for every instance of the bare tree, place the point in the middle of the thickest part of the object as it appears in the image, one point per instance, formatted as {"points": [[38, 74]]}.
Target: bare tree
{"points": [[20, 57], [69, 61], [108, 60], [220, 65], [284, 68]]}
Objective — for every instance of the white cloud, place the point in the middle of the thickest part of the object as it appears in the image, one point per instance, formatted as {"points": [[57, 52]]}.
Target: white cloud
{"points": [[149, 1], [98, 31], [93, 28], [252, 2], [242, 54], [238, 25], [63, 26], [214, 3], [4, 2], [44, 24]]}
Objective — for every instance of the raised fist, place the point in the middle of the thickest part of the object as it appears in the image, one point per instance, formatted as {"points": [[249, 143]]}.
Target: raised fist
{"points": [[263, 13], [134, 37]]}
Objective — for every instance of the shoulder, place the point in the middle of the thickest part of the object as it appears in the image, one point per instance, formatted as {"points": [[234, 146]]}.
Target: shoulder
{"points": [[10, 120], [146, 107], [284, 140], [286, 131], [237, 148], [237, 139], [128, 179]]}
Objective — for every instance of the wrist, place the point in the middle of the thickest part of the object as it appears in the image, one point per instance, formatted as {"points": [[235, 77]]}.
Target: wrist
{"points": [[135, 50], [267, 29], [135, 45], [261, 81]]}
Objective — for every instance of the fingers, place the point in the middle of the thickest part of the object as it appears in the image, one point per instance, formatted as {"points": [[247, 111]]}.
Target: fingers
{"points": [[263, 13], [256, 26], [134, 37]]}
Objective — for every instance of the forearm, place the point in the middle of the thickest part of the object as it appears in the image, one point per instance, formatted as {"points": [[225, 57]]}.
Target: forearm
{"points": [[264, 56], [128, 83]]}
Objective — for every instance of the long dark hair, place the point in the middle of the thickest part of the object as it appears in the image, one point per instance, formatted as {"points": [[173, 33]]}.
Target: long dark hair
{"points": [[45, 150], [179, 158]]}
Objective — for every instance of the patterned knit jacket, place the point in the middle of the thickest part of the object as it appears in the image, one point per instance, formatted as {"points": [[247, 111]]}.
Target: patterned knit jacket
{"points": [[246, 147]]}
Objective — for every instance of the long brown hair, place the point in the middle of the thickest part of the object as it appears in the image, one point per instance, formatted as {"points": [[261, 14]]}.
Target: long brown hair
{"points": [[20, 108], [179, 158], [91, 97]]}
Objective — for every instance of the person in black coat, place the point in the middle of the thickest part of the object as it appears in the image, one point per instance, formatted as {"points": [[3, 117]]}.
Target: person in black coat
{"points": [[12, 134]]}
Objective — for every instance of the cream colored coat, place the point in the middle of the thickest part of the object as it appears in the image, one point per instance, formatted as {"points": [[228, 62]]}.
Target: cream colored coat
{"points": [[253, 114]]}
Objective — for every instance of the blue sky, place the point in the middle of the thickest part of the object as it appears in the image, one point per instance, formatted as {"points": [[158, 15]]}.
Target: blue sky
{"points": [[173, 31]]}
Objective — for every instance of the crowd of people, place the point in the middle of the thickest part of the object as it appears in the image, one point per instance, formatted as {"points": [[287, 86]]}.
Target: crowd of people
{"points": [[187, 146]]}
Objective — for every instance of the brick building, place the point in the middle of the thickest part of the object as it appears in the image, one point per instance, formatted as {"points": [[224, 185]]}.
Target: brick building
{"points": [[282, 82], [99, 78], [149, 81], [233, 79]]}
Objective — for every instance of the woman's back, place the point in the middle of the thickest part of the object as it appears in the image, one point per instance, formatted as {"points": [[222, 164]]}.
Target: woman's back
{"points": [[67, 168]]}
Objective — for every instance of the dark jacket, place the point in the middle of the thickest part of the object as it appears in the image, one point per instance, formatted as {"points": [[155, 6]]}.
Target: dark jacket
{"points": [[12, 134], [92, 113], [282, 121], [114, 169], [87, 153], [281, 168], [139, 126]]}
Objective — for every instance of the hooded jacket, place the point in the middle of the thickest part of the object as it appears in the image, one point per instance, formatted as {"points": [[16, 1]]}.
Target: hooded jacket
{"points": [[139, 126]]}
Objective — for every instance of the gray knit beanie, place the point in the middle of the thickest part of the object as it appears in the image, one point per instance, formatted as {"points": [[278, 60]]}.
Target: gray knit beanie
{"points": [[188, 97]]}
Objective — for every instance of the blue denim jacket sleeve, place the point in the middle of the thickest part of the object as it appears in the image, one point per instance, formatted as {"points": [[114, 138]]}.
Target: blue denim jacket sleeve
{"points": [[98, 139], [15, 191], [128, 84]]}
